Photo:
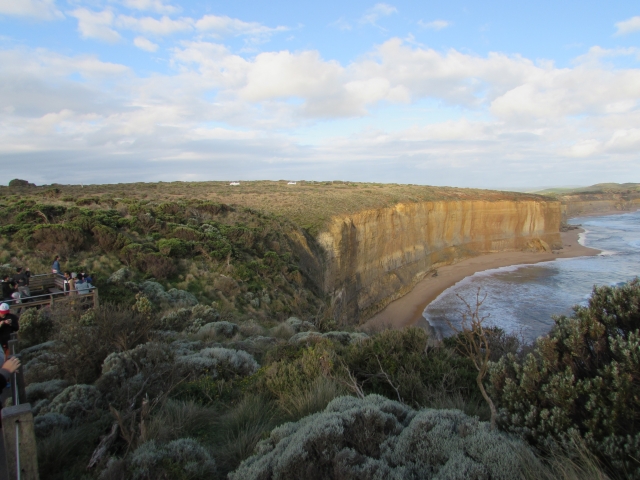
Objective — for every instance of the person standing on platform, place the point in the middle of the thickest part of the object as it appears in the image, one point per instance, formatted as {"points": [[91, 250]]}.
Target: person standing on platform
{"points": [[8, 324], [55, 268]]}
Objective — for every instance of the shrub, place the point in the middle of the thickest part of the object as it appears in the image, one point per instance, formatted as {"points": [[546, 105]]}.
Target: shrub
{"points": [[379, 438], [581, 380], [396, 363], [184, 458], [173, 247], [48, 390], [45, 424], [65, 239], [108, 239], [156, 265], [75, 401], [36, 326], [177, 320], [218, 362], [80, 348]]}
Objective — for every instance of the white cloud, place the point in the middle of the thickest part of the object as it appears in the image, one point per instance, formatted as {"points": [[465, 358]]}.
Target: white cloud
{"points": [[628, 26], [40, 9], [376, 12], [96, 24], [503, 113], [224, 25], [341, 24], [157, 6], [434, 25], [145, 44], [154, 26]]}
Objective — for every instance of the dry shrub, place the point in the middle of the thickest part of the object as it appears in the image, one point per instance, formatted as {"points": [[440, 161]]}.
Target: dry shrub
{"points": [[84, 341], [156, 265], [65, 239], [109, 239]]}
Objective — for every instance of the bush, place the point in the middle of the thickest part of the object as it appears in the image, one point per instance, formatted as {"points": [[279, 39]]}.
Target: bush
{"points": [[36, 326], [581, 380], [184, 458], [218, 362], [396, 363], [75, 401], [48, 390], [65, 239], [379, 438], [80, 349]]}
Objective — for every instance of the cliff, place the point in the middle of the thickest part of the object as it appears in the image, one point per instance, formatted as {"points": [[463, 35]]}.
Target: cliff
{"points": [[375, 256], [578, 204]]}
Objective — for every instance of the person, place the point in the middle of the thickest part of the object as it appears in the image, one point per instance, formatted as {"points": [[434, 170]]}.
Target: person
{"points": [[16, 297], [87, 278], [22, 279], [55, 268], [7, 288], [8, 324], [82, 285], [69, 283]]}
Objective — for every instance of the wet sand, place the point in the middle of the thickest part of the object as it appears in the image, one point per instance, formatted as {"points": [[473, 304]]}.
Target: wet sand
{"points": [[408, 309]]}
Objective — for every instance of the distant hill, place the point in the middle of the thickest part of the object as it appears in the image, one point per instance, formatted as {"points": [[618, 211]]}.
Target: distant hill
{"points": [[593, 189]]}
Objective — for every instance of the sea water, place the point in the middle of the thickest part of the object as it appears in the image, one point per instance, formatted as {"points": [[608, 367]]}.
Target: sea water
{"points": [[521, 299]]}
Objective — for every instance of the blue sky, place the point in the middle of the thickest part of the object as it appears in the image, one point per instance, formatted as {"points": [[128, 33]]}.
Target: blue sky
{"points": [[481, 94]]}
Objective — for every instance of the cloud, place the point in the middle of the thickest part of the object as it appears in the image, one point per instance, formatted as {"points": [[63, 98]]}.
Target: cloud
{"points": [[376, 12], [145, 44], [157, 6], [471, 116], [222, 26], [96, 24], [628, 26], [39, 9], [154, 26], [434, 25], [341, 24]]}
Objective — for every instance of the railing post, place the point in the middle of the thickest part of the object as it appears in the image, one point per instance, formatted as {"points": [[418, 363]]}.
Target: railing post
{"points": [[18, 390], [20, 442], [96, 302]]}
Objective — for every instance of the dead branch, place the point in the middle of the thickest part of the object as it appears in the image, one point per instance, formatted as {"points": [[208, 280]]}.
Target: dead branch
{"points": [[104, 446], [389, 380]]}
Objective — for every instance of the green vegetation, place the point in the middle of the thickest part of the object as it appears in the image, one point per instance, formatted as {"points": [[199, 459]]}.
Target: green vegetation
{"points": [[211, 355]]}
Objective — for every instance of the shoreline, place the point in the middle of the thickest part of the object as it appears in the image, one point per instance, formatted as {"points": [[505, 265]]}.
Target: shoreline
{"points": [[407, 310]]}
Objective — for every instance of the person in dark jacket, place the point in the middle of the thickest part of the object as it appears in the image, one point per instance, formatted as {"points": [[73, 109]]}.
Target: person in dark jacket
{"points": [[55, 268], [22, 278], [7, 288], [8, 324]]}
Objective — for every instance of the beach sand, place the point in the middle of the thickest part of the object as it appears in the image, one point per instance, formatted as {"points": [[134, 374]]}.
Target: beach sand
{"points": [[408, 309]]}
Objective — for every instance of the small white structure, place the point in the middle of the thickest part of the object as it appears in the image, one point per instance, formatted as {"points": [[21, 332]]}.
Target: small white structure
{"points": [[233, 184], [291, 183]]}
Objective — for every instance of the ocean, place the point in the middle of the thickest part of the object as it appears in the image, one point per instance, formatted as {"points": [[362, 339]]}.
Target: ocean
{"points": [[521, 299]]}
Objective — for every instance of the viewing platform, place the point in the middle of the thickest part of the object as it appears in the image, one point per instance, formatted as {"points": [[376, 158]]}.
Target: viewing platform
{"points": [[48, 290]]}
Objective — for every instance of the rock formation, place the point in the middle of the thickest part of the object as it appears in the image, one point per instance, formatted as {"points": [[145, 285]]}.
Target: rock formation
{"points": [[375, 256]]}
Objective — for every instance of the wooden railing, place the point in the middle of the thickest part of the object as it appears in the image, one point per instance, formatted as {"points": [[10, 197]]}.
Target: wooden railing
{"points": [[74, 297], [18, 432]]}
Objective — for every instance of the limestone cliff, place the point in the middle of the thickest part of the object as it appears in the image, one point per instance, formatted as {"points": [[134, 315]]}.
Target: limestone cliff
{"points": [[374, 256], [578, 204]]}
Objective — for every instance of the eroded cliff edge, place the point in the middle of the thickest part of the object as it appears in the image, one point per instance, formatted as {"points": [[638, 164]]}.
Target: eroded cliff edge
{"points": [[374, 256]]}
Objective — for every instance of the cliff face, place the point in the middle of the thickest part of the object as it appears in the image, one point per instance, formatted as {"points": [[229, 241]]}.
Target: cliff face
{"points": [[591, 203], [375, 256]]}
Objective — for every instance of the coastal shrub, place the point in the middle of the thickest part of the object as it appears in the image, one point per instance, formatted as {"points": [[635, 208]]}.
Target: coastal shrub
{"points": [[120, 276], [581, 380], [300, 325], [75, 401], [184, 458], [173, 247], [41, 390], [36, 326], [80, 348], [156, 265], [45, 424], [379, 438], [290, 379], [149, 366], [218, 362], [109, 239], [177, 320], [65, 239], [398, 364]]}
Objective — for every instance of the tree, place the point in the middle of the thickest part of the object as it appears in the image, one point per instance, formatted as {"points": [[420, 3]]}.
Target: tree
{"points": [[474, 340]]}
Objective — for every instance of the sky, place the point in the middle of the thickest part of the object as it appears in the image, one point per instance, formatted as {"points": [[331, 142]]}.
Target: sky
{"points": [[491, 94]]}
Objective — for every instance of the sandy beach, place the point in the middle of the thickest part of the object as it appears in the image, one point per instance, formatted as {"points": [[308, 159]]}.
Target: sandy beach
{"points": [[408, 309]]}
